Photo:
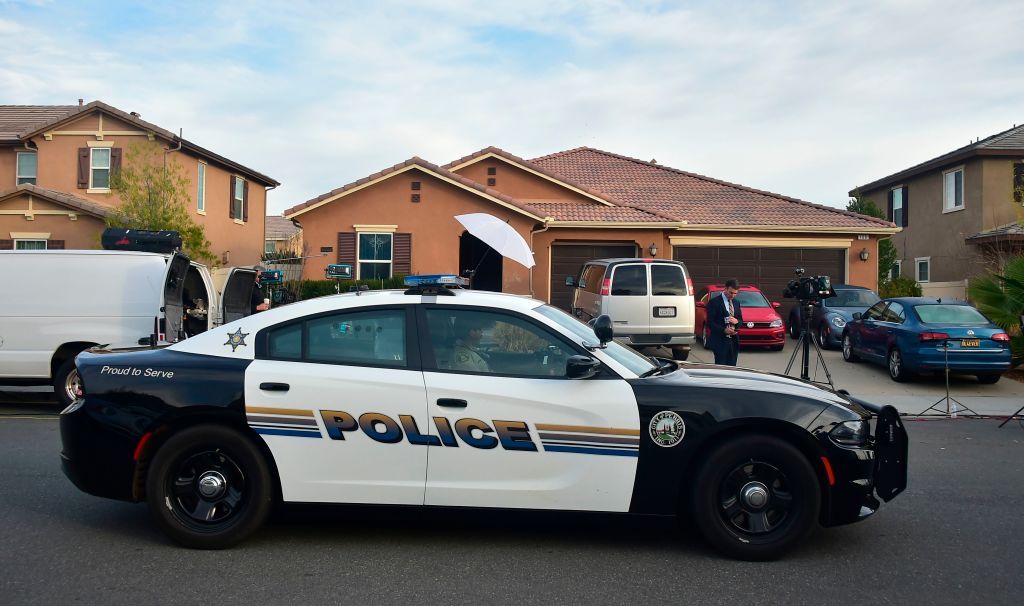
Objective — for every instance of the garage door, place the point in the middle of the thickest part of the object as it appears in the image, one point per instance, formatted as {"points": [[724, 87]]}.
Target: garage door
{"points": [[766, 268], [568, 259]]}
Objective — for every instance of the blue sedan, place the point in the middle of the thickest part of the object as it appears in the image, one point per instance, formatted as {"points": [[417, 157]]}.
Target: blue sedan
{"points": [[917, 334]]}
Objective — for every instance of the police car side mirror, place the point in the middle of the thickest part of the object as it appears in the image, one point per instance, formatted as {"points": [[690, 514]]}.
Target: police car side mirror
{"points": [[603, 328], [581, 367]]}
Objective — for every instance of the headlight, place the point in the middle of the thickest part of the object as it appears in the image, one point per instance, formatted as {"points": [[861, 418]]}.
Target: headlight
{"points": [[838, 321], [776, 323], [850, 433]]}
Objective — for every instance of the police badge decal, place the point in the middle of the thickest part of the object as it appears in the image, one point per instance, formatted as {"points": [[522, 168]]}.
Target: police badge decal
{"points": [[667, 428]]}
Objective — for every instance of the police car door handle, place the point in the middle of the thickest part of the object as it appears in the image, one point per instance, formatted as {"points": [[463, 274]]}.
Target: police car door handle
{"points": [[451, 403], [274, 386]]}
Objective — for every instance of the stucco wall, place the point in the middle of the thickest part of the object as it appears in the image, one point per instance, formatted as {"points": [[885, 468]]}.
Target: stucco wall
{"points": [[83, 232]]}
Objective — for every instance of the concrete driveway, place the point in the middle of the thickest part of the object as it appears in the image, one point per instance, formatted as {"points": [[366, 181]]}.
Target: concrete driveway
{"points": [[872, 383]]}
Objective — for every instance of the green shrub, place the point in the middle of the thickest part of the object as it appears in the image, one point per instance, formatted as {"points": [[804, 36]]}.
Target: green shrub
{"points": [[899, 287], [1000, 296], [310, 289]]}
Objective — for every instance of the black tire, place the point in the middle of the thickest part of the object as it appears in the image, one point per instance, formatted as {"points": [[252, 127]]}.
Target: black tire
{"points": [[847, 346], [705, 336], [794, 326], [758, 467], [989, 378], [897, 368], [680, 353], [822, 337], [66, 384], [777, 347], [230, 467]]}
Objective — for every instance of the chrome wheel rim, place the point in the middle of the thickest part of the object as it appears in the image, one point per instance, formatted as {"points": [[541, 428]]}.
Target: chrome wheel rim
{"points": [[847, 348], [895, 363], [73, 385]]}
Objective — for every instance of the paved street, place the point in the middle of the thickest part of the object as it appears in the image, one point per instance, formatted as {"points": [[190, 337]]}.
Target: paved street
{"points": [[954, 537]]}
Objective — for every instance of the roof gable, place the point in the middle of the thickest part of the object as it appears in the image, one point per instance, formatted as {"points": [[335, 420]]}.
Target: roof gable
{"points": [[61, 198], [416, 163]]}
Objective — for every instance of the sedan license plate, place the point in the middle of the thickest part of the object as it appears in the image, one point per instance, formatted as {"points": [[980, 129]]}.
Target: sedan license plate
{"points": [[665, 312], [970, 342]]}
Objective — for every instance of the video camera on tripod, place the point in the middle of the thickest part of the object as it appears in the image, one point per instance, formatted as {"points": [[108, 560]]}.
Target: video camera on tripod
{"points": [[808, 290]]}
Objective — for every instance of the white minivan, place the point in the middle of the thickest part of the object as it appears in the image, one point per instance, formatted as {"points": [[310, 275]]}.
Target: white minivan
{"points": [[650, 301], [58, 303]]}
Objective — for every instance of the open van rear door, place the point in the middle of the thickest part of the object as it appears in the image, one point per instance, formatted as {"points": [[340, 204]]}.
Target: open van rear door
{"points": [[234, 289], [174, 283]]}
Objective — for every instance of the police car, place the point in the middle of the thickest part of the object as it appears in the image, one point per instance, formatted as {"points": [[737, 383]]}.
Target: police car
{"points": [[438, 396]]}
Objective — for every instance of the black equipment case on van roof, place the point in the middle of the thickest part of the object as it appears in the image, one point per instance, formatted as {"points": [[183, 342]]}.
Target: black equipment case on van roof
{"points": [[140, 240]]}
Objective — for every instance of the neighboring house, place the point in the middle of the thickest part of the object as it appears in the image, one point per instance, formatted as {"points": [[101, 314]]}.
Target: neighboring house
{"points": [[282, 236], [960, 212], [55, 167], [577, 205]]}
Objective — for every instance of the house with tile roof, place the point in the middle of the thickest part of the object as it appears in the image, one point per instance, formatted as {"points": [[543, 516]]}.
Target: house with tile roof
{"points": [[55, 166], [577, 205], [960, 212]]}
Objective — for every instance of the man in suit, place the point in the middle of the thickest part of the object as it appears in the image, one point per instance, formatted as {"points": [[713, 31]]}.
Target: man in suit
{"points": [[723, 319]]}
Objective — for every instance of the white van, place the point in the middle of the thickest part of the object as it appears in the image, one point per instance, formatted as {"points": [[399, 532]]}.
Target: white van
{"points": [[650, 301], [57, 303]]}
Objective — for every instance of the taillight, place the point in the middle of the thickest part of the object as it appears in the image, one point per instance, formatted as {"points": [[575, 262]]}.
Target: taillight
{"points": [[934, 336], [606, 286], [1002, 337], [689, 286]]}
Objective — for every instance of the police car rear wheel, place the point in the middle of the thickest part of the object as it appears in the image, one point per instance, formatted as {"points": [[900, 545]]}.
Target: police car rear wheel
{"points": [[756, 497], [208, 487]]}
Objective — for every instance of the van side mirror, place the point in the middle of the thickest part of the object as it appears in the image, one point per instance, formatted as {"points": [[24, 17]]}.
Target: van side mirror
{"points": [[857, 315], [603, 328], [776, 304], [581, 367], [570, 281]]}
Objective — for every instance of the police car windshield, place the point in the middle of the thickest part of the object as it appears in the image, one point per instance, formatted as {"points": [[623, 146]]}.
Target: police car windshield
{"points": [[623, 355]]}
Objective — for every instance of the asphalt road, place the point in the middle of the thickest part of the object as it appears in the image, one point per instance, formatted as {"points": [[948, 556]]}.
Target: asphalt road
{"points": [[955, 536]]}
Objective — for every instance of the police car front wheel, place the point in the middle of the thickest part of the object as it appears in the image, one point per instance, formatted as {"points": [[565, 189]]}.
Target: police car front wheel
{"points": [[208, 487], [756, 497]]}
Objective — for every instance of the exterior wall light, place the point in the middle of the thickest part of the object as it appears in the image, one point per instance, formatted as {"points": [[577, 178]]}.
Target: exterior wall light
{"points": [[653, 249], [864, 254]]}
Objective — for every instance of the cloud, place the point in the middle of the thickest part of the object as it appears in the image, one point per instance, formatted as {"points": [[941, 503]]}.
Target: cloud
{"points": [[806, 99]]}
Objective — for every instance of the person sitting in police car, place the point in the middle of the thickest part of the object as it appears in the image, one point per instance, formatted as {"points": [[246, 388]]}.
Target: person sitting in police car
{"points": [[464, 354]]}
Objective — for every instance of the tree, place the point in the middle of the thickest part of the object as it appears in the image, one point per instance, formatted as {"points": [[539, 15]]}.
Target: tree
{"points": [[154, 194], [886, 249], [1000, 296]]}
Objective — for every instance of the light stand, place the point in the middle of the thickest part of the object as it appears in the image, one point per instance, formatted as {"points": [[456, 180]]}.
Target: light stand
{"points": [[950, 411], [804, 344]]}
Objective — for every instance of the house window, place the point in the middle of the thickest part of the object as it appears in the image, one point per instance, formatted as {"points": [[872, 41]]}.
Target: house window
{"points": [[27, 165], [201, 193], [270, 247], [30, 245], [374, 256], [896, 270], [953, 190], [238, 199], [924, 269], [897, 206], [99, 164]]}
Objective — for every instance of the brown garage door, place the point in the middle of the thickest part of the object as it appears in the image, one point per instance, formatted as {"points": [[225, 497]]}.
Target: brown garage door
{"points": [[568, 259], [766, 268]]}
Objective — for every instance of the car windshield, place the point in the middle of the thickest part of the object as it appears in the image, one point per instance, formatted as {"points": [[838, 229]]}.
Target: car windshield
{"points": [[636, 363], [751, 298], [949, 314], [852, 298]]}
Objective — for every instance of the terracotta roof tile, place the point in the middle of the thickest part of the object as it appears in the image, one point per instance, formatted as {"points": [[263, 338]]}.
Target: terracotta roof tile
{"points": [[16, 119], [575, 211], [1013, 230], [279, 228], [696, 199], [62, 198]]}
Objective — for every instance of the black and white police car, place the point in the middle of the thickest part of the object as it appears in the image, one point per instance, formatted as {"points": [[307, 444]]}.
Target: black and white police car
{"points": [[519, 405]]}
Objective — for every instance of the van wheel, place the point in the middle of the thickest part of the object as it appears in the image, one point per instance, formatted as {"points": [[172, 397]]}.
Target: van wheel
{"points": [[756, 497], [67, 385], [680, 353], [208, 487]]}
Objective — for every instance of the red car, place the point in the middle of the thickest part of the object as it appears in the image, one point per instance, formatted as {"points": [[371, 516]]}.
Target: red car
{"points": [[762, 325]]}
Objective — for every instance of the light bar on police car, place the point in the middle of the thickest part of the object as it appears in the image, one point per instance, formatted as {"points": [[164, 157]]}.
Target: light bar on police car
{"points": [[436, 280]]}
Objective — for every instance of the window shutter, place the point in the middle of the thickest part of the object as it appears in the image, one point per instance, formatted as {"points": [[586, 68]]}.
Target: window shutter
{"points": [[1018, 182], [347, 248], [906, 206], [402, 256], [245, 201], [889, 215], [55, 244], [6, 244], [115, 160], [231, 197], [83, 167]]}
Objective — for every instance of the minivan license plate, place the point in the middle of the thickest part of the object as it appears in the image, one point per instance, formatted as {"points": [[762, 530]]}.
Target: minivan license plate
{"points": [[665, 312], [970, 342]]}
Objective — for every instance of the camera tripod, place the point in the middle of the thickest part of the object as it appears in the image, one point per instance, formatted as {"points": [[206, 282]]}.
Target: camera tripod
{"points": [[804, 344]]}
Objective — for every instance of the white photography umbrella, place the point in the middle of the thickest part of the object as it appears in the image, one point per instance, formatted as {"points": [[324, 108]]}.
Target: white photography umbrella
{"points": [[499, 235]]}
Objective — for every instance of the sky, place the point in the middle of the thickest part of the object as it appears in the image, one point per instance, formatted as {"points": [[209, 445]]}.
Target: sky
{"points": [[806, 99]]}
